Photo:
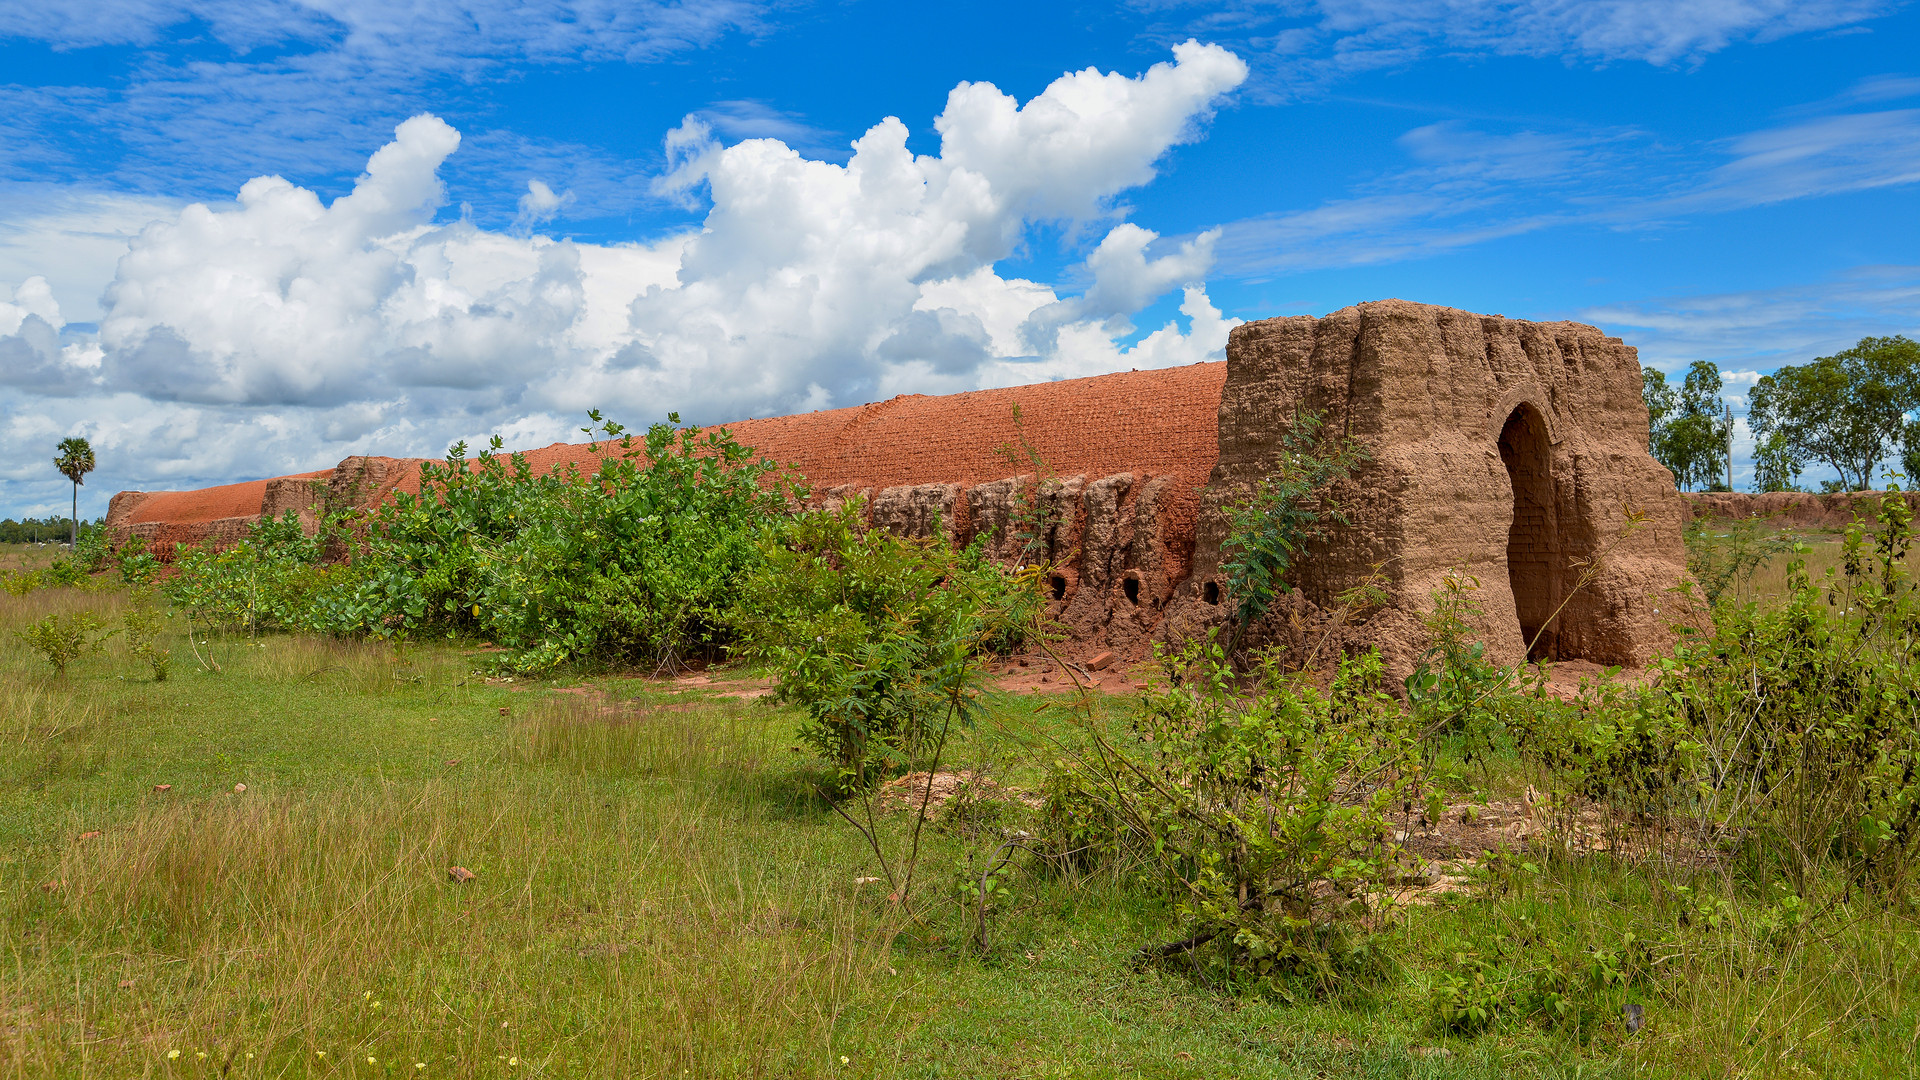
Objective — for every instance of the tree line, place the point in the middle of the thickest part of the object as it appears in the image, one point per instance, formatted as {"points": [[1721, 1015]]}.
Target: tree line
{"points": [[1849, 411], [38, 530]]}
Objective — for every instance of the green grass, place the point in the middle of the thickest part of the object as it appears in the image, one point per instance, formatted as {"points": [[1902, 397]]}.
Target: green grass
{"points": [[661, 893]]}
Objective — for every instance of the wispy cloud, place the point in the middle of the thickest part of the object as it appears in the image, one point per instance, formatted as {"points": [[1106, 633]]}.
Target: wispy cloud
{"points": [[296, 87], [758, 120], [1466, 185], [1763, 329], [1304, 46]]}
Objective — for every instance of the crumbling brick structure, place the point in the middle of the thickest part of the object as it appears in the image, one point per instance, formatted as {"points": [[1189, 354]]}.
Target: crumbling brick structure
{"points": [[1511, 451]]}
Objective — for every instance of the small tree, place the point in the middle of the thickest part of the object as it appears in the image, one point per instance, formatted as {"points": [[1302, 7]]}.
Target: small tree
{"points": [[1848, 410], [75, 462], [1775, 467], [1687, 426]]}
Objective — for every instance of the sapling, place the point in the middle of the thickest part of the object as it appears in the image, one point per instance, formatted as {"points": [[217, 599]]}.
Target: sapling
{"points": [[62, 639]]}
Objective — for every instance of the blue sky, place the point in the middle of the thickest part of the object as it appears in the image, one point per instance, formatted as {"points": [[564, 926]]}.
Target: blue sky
{"points": [[645, 207]]}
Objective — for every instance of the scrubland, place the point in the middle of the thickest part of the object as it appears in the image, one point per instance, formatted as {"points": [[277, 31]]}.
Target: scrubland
{"points": [[661, 888]]}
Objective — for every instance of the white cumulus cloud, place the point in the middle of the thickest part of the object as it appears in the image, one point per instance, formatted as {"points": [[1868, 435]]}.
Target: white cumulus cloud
{"points": [[279, 332]]}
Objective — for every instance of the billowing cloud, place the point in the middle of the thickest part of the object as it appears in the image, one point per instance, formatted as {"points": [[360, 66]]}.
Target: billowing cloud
{"points": [[280, 332]]}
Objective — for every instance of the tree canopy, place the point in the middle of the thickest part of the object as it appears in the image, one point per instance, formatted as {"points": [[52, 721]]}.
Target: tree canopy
{"points": [[1848, 411], [75, 460], [1688, 426]]}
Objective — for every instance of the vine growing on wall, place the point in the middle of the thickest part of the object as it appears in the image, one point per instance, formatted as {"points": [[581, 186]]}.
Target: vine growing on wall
{"points": [[1285, 510]]}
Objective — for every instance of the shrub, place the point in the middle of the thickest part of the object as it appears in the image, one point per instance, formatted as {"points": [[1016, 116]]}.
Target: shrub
{"points": [[142, 625], [1283, 511], [637, 561], [62, 639], [1724, 562], [138, 565], [1266, 812], [266, 581], [876, 636], [1790, 734]]}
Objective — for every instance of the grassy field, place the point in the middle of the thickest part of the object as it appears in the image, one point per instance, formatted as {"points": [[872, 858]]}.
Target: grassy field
{"points": [[659, 891], [29, 556]]}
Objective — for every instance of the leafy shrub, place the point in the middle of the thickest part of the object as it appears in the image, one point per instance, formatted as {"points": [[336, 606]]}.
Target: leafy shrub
{"points": [[142, 626], [1454, 687], [65, 571], [1266, 812], [138, 565], [94, 552], [1285, 510], [1723, 556], [1791, 733], [637, 561], [1502, 979], [877, 636], [62, 639], [266, 581]]}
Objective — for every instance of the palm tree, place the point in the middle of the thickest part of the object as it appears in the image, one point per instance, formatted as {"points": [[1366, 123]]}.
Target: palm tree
{"points": [[75, 461]]}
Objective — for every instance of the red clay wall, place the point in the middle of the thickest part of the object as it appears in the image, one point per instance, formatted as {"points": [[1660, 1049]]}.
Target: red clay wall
{"points": [[1131, 451], [1792, 509]]}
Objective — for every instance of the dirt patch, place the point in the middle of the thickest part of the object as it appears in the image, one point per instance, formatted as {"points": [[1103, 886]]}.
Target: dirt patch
{"points": [[913, 791]]}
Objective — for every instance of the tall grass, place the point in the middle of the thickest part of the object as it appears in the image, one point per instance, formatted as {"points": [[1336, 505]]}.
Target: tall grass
{"points": [[631, 914], [659, 892], [618, 937]]}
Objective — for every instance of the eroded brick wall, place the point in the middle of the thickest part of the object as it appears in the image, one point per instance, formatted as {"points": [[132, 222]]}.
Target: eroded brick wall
{"points": [[1126, 453]]}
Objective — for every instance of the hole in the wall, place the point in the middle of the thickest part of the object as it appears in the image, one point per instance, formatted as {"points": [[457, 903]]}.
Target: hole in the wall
{"points": [[1211, 592], [1058, 585], [1132, 588], [1532, 543]]}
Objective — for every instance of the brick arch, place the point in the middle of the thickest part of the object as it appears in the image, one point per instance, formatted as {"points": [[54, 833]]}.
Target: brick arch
{"points": [[1535, 556], [1532, 395]]}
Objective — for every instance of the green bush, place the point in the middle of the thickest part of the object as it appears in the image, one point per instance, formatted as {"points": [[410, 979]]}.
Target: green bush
{"points": [[635, 562], [877, 636], [1284, 511], [62, 639], [1265, 810], [266, 581], [138, 565], [142, 625], [1790, 736]]}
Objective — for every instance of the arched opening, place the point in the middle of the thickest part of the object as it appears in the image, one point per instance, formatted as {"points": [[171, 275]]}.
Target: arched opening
{"points": [[1211, 592], [1131, 587], [1058, 586], [1532, 539]]}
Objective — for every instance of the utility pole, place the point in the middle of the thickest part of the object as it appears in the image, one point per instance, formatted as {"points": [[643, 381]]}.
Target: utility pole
{"points": [[1729, 415]]}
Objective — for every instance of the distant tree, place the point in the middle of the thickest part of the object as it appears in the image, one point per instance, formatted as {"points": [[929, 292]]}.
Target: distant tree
{"points": [[1848, 410], [1662, 401], [75, 462], [1687, 426], [1775, 468]]}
